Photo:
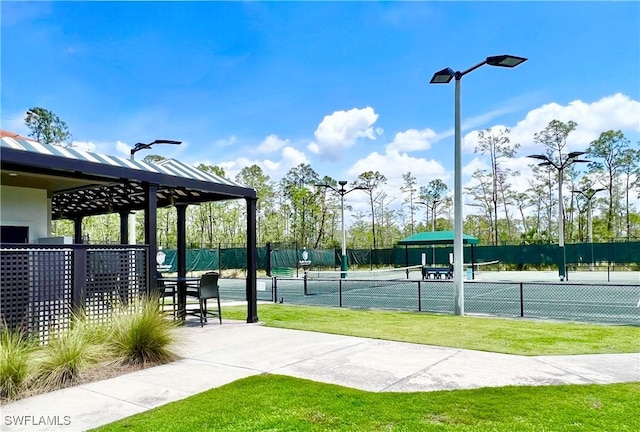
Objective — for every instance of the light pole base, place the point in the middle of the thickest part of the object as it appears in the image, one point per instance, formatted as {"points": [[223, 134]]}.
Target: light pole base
{"points": [[343, 267], [562, 264]]}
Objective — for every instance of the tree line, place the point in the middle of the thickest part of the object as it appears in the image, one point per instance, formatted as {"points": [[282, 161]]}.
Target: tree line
{"points": [[304, 207]]}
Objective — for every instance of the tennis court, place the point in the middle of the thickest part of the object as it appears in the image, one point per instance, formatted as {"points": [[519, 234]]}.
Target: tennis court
{"points": [[511, 294]]}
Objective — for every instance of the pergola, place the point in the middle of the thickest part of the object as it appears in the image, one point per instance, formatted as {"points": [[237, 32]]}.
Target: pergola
{"points": [[432, 238], [436, 237], [82, 184]]}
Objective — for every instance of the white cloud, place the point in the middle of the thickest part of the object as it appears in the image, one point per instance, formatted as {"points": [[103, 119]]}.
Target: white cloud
{"points": [[118, 148], [412, 140], [84, 145], [609, 113], [272, 143], [615, 112], [275, 169], [341, 130], [226, 142], [470, 140], [394, 164]]}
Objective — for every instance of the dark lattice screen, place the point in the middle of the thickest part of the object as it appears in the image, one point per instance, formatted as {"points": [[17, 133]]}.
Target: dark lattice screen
{"points": [[36, 289], [14, 296], [115, 277], [37, 284]]}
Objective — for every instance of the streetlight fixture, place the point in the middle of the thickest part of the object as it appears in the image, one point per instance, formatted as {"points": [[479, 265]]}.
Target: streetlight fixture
{"points": [[546, 161], [141, 146], [342, 192], [444, 77], [589, 194]]}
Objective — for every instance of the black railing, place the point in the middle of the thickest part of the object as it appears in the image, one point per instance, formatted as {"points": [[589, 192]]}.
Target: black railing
{"points": [[42, 286]]}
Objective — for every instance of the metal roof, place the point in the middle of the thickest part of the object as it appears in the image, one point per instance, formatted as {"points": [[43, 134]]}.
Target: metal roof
{"points": [[82, 183], [436, 237]]}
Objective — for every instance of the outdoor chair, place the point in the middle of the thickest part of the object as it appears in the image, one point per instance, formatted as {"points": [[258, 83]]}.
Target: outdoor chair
{"points": [[164, 291], [207, 289]]}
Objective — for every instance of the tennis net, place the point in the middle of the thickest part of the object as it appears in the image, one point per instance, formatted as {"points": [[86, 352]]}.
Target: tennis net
{"points": [[410, 272]]}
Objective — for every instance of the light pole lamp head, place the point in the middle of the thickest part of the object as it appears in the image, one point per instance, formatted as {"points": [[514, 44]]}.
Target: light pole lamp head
{"points": [[575, 154], [545, 160], [540, 157], [140, 146], [443, 77], [342, 182], [505, 60]]}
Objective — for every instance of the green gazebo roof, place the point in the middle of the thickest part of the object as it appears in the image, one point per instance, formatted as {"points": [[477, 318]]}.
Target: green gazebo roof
{"points": [[436, 237]]}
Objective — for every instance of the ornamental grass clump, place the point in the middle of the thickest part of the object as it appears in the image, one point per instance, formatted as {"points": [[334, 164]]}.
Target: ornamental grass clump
{"points": [[68, 353], [16, 350], [140, 335]]}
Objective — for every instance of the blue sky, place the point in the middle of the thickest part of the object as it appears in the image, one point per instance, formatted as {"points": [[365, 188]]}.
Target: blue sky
{"points": [[342, 86]]}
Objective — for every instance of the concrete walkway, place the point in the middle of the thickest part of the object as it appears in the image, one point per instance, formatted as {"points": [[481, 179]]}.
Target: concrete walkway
{"points": [[219, 354]]}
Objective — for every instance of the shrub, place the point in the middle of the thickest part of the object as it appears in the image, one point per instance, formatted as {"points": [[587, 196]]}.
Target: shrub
{"points": [[62, 360], [16, 350], [141, 335]]}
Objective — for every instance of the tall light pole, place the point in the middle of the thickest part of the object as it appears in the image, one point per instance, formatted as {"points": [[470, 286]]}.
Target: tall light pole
{"points": [[342, 192], [444, 77], [560, 166], [142, 146], [589, 194]]}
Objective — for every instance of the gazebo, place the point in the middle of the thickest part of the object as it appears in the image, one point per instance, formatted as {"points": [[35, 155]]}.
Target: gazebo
{"points": [[432, 238], [41, 183]]}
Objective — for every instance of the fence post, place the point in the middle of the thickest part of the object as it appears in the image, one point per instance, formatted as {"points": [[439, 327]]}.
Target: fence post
{"points": [[274, 289], [521, 301], [304, 283], [268, 261], [419, 296], [340, 291]]}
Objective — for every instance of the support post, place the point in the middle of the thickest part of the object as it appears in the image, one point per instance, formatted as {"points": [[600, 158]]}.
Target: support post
{"points": [[124, 227], [181, 234], [252, 259], [151, 232], [77, 230]]}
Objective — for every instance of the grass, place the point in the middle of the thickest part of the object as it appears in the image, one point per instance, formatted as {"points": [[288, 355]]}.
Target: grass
{"points": [[136, 336], [279, 403], [15, 368], [68, 353], [503, 335], [145, 336]]}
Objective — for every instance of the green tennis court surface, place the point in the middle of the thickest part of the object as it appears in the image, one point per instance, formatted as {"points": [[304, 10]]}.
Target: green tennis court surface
{"points": [[513, 294]]}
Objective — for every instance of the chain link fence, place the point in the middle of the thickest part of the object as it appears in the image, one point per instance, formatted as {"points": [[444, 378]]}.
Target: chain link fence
{"points": [[584, 302]]}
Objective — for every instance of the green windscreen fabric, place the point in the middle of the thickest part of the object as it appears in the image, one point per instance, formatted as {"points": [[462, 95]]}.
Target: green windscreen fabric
{"points": [[519, 255]]}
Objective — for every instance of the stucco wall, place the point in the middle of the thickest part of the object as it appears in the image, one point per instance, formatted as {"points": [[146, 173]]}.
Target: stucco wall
{"points": [[25, 207]]}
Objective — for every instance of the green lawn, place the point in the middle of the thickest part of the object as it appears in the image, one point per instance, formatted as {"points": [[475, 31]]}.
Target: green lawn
{"points": [[279, 403], [503, 335]]}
